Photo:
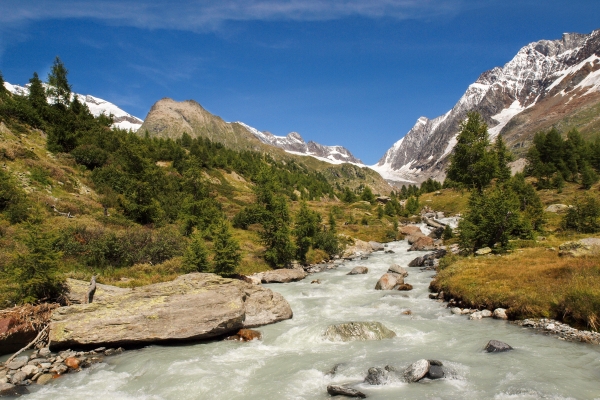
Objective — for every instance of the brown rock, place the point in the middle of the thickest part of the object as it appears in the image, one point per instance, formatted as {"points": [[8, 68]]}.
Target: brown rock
{"points": [[191, 307], [405, 286], [283, 275], [414, 237], [410, 230], [44, 378], [358, 271], [72, 362], [389, 281], [247, 335], [422, 243]]}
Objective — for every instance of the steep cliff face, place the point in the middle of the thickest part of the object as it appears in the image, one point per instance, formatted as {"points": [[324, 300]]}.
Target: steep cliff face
{"points": [[548, 83]]}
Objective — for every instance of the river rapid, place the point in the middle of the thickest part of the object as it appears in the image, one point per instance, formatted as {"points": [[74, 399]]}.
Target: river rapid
{"points": [[292, 360]]}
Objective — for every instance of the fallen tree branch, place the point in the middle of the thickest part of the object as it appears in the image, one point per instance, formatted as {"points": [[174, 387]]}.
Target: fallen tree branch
{"points": [[34, 341]]}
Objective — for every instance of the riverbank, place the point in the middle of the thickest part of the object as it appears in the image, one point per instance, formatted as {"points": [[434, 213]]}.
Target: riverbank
{"points": [[531, 282]]}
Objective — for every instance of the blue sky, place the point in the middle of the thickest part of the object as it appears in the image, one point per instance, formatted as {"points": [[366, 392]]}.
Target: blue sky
{"points": [[348, 72]]}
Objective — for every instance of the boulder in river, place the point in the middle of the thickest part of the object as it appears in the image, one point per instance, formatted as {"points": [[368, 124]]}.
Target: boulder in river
{"points": [[412, 238], [410, 230], [496, 346], [376, 246], [500, 313], [358, 271], [192, 307], [379, 376], [396, 269], [422, 244], [416, 371], [282, 275], [352, 331], [389, 281], [8, 389], [405, 287], [435, 372], [339, 390]]}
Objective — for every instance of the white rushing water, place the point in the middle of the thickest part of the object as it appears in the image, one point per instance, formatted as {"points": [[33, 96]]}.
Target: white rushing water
{"points": [[292, 360]]}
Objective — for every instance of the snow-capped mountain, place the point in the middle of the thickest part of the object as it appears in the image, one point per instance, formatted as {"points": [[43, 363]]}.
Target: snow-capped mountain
{"points": [[294, 144], [546, 82], [96, 105]]}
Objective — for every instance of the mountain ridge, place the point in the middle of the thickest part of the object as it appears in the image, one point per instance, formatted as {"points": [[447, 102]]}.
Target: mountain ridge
{"points": [[529, 82]]}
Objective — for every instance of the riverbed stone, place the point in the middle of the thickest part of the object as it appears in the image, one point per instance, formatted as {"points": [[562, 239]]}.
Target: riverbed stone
{"points": [[486, 313], [500, 313], [43, 379], [397, 269], [476, 315], [412, 238], [416, 371], [404, 287], [339, 390], [389, 281], [30, 370], [353, 331], [456, 310], [17, 362], [191, 307], [410, 230], [376, 246], [358, 271], [377, 376], [422, 244], [496, 346], [18, 377], [435, 372], [72, 362]]}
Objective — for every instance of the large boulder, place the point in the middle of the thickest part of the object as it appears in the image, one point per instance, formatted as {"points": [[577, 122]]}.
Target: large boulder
{"points": [[359, 247], [283, 275], [352, 331], [389, 281], [410, 230], [422, 244], [496, 346], [78, 291], [583, 247], [416, 371], [191, 307], [414, 237]]}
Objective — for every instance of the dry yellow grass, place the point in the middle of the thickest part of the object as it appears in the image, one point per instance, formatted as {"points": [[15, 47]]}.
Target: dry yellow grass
{"points": [[531, 282]]}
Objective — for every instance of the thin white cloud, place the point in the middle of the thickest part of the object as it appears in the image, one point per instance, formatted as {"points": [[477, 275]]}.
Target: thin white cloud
{"points": [[202, 15]]}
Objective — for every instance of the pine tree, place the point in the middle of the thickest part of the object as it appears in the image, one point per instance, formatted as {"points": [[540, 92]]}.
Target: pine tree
{"points": [[367, 195], [276, 233], [195, 258], [37, 94], [471, 164], [3, 91], [306, 228], [59, 88], [227, 250], [503, 157], [588, 176]]}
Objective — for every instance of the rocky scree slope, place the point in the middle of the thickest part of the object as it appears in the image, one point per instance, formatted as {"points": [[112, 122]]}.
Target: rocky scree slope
{"points": [[548, 83], [97, 106]]}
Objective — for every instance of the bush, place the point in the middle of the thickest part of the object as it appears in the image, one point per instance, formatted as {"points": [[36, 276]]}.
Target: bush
{"points": [[227, 250], [195, 258], [448, 233], [89, 155], [13, 201]]}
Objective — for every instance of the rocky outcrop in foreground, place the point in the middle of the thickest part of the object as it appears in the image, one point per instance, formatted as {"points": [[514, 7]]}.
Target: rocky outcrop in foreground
{"points": [[191, 307]]}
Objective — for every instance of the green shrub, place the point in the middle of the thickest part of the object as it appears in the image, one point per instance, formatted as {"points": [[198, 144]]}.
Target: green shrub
{"points": [[583, 215]]}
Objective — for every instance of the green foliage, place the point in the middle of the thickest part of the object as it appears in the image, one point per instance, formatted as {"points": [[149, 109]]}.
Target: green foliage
{"points": [[430, 186], [584, 216], [503, 157], [90, 155], [306, 227], [348, 196], [227, 250], [37, 94], [364, 221], [327, 240], [497, 215], [412, 205], [36, 273], [367, 195], [59, 88], [3, 91], [195, 258], [471, 163], [380, 212], [553, 160], [448, 233], [13, 201]]}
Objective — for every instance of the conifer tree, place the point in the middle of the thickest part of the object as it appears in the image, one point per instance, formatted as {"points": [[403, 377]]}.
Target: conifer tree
{"points": [[503, 157], [471, 163], [306, 228], [195, 258], [227, 250], [37, 94], [59, 88]]}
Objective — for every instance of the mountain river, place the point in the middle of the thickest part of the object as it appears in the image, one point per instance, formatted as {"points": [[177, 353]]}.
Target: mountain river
{"points": [[292, 360]]}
